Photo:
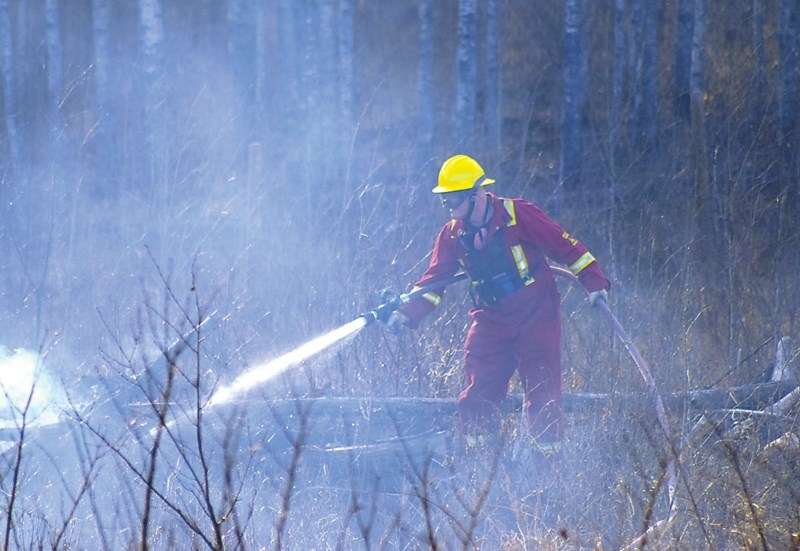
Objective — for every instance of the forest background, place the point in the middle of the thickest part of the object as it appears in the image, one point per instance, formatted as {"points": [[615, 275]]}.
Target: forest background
{"points": [[284, 151]]}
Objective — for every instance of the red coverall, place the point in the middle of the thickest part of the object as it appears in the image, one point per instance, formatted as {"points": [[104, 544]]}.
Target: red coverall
{"points": [[520, 331]]}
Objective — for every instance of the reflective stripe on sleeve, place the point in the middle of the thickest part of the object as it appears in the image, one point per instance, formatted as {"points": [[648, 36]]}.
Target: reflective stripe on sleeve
{"points": [[433, 298], [581, 263]]}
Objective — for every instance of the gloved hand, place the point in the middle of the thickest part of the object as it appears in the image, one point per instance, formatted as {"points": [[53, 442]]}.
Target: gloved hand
{"points": [[594, 295], [397, 320]]}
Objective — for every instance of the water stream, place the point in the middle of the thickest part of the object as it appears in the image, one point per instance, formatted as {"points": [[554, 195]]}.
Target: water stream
{"points": [[260, 374]]}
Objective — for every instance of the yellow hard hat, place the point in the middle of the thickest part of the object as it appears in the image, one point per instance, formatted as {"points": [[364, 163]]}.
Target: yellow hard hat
{"points": [[460, 172]]}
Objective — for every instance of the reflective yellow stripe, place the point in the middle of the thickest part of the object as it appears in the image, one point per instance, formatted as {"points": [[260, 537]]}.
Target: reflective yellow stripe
{"points": [[509, 205], [522, 264], [433, 298], [516, 250], [581, 263]]}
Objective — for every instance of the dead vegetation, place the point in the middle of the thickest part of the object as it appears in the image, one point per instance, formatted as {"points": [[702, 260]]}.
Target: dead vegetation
{"points": [[154, 468]]}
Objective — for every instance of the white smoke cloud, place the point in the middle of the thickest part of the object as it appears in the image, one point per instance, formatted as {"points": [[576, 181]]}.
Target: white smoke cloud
{"points": [[23, 377]]}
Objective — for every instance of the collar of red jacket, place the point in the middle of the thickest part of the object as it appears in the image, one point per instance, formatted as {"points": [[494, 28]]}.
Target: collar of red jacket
{"points": [[500, 216], [498, 220]]}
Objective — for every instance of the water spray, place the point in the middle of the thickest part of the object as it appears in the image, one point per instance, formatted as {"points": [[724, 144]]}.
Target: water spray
{"points": [[262, 373], [269, 370]]}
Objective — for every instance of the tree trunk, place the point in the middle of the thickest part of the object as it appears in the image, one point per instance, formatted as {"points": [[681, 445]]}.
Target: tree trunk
{"points": [[307, 21], [635, 48], [787, 94], [425, 120], [787, 297], [54, 82], [154, 114], [759, 51], [756, 396], [241, 46], [103, 141], [617, 82], [493, 78], [288, 68], [650, 78], [697, 90], [346, 80], [683, 59], [707, 253], [573, 96], [10, 115], [467, 74], [262, 71], [326, 74]]}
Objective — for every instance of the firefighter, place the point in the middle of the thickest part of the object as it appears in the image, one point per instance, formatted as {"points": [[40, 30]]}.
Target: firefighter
{"points": [[503, 246]]}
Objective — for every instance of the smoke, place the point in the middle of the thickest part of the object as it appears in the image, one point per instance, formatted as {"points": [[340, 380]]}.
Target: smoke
{"points": [[26, 388]]}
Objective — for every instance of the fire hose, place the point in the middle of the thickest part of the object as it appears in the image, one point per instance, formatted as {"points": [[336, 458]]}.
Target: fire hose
{"points": [[644, 371]]}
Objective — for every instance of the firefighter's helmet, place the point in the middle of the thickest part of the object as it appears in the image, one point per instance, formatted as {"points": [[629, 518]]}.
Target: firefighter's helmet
{"points": [[459, 173]]}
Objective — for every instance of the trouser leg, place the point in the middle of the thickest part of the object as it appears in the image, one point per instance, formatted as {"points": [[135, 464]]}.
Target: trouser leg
{"points": [[538, 351], [488, 367]]}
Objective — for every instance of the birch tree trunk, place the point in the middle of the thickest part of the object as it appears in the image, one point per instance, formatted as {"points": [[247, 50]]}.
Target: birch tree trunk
{"points": [[467, 74], [425, 122], [151, 38], [617, 82], [683, 58], [787, 298], [154, 113], [635, 47], [241, 48], [787, 85], [697, 91], [307, 33], [493, 78], [327, 114], [346, 80], [104, 138], [263, 71], [54, 80], [288, 67], [573, 95], [9, 115], [649, 131], [759, 51], [704, 254]]}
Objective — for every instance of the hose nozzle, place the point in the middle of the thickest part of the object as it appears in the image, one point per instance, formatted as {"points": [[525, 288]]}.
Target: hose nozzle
{"points": [[391, 302]]}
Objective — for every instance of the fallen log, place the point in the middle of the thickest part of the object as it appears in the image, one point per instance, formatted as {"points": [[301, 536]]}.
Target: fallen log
{"points": [[752, 396], [411, 415], [745, 397]]}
